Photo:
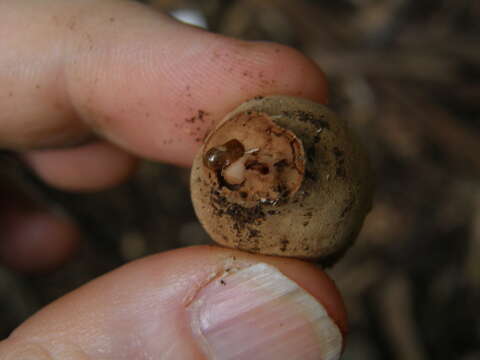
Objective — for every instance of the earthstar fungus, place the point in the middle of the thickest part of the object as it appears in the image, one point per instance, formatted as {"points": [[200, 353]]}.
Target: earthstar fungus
{"points": [[282, 176]]}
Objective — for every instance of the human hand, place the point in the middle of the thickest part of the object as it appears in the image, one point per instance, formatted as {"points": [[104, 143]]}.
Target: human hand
{"points": [[88, 86]]}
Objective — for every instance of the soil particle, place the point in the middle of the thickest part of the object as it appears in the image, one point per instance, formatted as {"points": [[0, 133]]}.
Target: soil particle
{"points": [[241, 216], [340, 157], [310, 175], [199, 116], [253, 233], [307, 117], [338, 153], [348, 207], [311, 153]]}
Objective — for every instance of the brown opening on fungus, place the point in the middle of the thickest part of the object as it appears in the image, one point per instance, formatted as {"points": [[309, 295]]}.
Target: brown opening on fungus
{"points": [[249, 154]]}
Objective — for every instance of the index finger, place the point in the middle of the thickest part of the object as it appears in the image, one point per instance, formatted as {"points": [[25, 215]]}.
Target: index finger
{"points": [[142, 81]]}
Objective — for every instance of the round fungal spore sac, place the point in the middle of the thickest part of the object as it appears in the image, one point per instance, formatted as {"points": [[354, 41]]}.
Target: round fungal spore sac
{"points": [[282, 176]]}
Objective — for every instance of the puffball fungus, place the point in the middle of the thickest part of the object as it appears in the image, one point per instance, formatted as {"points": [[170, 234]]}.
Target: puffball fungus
{"points": [[282, 176]]}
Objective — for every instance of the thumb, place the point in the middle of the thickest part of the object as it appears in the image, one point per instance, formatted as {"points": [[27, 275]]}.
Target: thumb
{"points": [[193, 303]]}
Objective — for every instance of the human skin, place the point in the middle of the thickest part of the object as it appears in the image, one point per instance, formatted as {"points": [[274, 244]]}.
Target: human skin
{"points": [[99, 84]]}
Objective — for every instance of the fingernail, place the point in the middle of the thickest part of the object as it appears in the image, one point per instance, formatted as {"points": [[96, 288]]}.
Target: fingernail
{"points": [[259, 313]]}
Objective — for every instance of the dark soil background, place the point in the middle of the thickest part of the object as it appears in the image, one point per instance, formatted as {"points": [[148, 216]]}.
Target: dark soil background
{"points": [[405, 74]]}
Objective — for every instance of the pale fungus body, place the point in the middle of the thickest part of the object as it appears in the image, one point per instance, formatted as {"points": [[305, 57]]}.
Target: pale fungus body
{"points": [[282, 176]]}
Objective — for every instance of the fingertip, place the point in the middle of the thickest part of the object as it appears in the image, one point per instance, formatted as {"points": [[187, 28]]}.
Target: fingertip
{"points": [[308, 276], [316, 281], [91, 167], [235, 70], [147, 83], [178, 83], [293, 72]]}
